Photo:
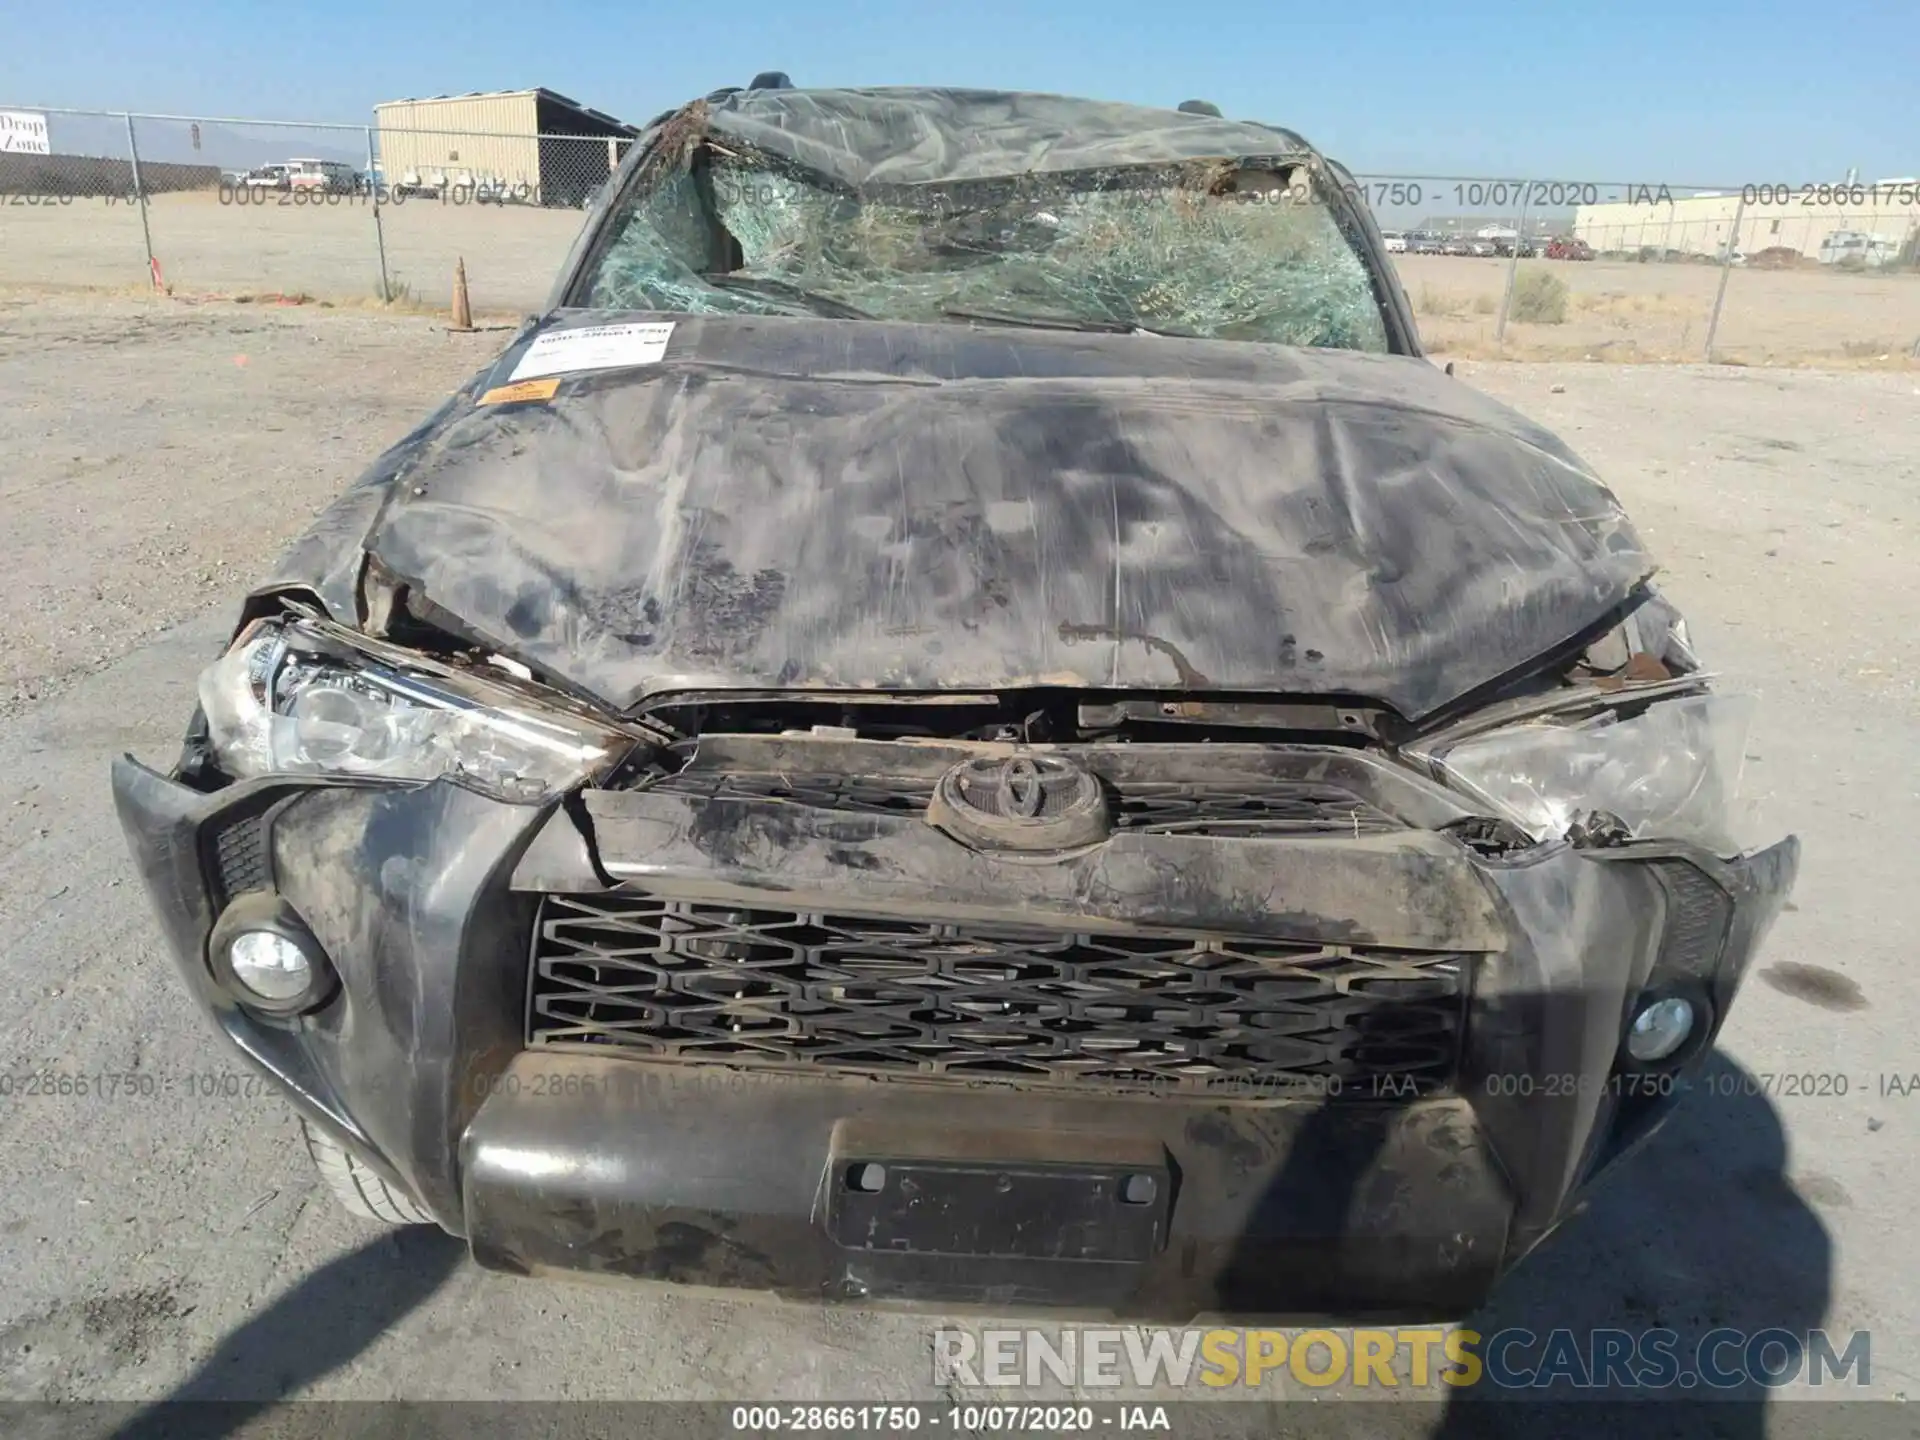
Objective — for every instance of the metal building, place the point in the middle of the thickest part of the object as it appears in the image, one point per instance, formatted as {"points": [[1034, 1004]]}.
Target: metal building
{"points": [[1872, 222], [535, 146]]}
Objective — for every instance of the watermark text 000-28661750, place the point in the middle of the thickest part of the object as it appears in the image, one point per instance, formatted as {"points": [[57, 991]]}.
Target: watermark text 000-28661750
{"points": [[125, 1086]]}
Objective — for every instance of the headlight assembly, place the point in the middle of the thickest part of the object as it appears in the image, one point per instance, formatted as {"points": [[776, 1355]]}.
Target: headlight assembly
{"points": [[306, 697], [1670, 772]]}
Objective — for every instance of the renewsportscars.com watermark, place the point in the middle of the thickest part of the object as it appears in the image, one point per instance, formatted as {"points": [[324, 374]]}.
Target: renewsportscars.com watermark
{"points": [[1145, 1357]]}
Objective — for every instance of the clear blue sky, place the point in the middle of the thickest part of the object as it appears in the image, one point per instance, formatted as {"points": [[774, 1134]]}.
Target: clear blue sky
{"points": [[1685, 91]]}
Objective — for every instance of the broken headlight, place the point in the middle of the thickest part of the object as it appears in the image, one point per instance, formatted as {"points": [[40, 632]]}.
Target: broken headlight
{"points": [[1670, 772], [301, 697]]}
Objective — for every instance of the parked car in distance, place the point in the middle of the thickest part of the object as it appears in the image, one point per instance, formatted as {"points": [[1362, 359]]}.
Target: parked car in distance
{"points": [[1567, 247], [1456, 246], [1394, 241], [269, 177], [1426, 245], [828, 767], [332, 176]]}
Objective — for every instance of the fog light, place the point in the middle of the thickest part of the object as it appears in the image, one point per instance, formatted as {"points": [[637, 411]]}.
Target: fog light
{"points": [[271, 966], [264, 956], [1660, 1029]]}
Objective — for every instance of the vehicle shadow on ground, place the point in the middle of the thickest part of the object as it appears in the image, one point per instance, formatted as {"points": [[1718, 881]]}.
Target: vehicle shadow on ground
{"points": [[1701, 1230], [319, 1325]]}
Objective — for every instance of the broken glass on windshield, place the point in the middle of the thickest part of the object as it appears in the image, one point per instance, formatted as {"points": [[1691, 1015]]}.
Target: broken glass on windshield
{"points": [[1205, 250]]}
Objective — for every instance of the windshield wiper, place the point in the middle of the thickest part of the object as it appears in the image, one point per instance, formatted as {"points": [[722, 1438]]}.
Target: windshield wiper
{"points": [[1088, 324], [785, 290]]}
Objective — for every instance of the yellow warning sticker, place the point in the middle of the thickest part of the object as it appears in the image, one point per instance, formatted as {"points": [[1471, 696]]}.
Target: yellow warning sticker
{"points": [[521, 390]]}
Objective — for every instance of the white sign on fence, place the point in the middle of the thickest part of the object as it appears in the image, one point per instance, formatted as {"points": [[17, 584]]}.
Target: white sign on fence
{"points": [[22, 133]]}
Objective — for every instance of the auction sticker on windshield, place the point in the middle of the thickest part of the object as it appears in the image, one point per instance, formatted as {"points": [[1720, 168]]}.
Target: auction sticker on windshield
{"points": [[594, 347]]}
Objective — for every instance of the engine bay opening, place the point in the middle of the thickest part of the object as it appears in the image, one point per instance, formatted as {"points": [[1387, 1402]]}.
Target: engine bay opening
{"points": [[1038, 716]]}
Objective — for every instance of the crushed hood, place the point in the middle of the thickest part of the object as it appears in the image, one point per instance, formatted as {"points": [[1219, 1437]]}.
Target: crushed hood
{"points": [[793, 503]]}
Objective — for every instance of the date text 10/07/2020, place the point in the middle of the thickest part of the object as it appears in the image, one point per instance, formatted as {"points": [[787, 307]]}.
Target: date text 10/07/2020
{"points": [[1722, 1084], [964, 1419]]}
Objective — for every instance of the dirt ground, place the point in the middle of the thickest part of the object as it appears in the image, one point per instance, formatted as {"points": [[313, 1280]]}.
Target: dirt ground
{"points": [[1619, 310], [157, 450], [158, 454], [1622, 311], [330, 251]]}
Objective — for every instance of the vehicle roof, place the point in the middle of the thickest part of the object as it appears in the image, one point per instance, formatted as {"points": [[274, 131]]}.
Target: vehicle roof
{"points": [[918, 135]]}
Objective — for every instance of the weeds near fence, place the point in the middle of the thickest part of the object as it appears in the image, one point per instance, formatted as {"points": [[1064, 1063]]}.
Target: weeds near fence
{"points": [[1872, 349], [1451, 304], [1539, 298]]}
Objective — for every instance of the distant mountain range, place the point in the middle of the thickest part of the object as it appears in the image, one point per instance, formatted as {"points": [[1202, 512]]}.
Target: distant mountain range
{"points": [[230, 147]]}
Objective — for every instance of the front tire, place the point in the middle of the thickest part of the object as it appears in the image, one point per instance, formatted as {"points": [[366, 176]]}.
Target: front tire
{"points": [[359, 1189]]}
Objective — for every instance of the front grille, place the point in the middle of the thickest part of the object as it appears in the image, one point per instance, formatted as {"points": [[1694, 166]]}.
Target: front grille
{"points": [[1275, 807], [1246, 808], [863, 794], [240, 859], [717, 984], [1699, 913]]}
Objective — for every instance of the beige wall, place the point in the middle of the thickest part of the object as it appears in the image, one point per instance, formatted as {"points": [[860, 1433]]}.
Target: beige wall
{"points": [[1703, 224], [461, 140]]}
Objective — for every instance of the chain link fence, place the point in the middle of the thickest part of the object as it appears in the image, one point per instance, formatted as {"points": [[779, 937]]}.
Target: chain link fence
{"points": [[1647, 270], [508, 206], [269, 209], [1766, 273]]}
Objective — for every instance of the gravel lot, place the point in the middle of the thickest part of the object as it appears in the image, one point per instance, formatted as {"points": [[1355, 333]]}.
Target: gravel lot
{"points": [[158, 455]]}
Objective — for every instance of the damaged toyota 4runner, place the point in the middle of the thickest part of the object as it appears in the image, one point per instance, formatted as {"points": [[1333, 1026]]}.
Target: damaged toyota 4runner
{"points": [[964, 720]]}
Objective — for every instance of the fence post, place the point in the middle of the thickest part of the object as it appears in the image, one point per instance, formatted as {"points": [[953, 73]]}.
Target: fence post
{"points": [[1513, 266], [374, 181], [1726, 269], [140, 194]]}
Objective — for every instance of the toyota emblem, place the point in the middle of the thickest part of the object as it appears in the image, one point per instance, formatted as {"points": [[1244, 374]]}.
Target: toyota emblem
{"points": [[1030, 801], [1022, 790]]}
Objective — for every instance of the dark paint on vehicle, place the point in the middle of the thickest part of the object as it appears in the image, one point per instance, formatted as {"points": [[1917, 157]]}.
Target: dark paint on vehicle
{"points": [[782, 502], [1232, 581]]}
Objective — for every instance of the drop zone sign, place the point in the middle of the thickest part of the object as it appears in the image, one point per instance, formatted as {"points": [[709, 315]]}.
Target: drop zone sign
{"points": [[22, 133]]}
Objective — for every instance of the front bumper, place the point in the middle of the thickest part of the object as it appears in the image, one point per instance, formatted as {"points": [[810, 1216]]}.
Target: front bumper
{"points": [[1381, 1204]]}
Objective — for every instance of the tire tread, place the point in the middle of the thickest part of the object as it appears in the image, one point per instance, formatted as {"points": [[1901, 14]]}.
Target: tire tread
{"points": [[360, 1189]]}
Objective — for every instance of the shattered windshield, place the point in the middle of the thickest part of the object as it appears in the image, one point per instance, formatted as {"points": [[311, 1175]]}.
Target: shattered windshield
{"points": [[1218, 249]]}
